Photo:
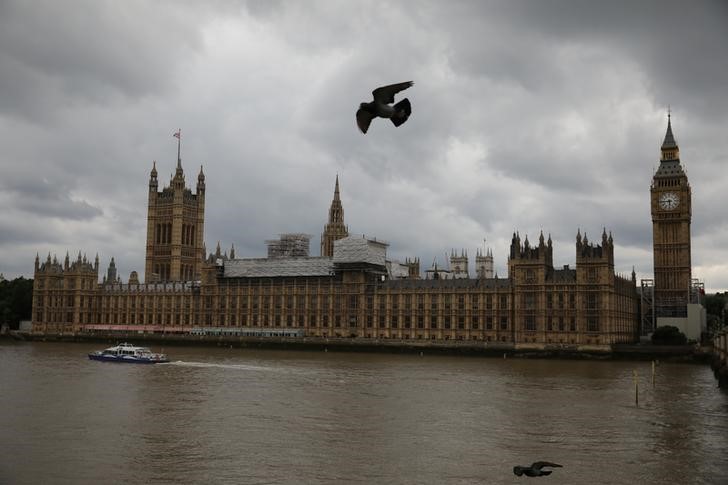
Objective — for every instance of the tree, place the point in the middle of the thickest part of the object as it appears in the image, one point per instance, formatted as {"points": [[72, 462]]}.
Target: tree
{"points": [[668, 335], [715, 303], [16, 300]]}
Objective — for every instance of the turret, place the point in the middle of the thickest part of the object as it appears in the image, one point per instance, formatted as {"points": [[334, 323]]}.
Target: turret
{"points": [[484, 263], [153, 183], [111, 272], [201, 182], [586, 251], [528, 262], [459, 264], [413, 268]]}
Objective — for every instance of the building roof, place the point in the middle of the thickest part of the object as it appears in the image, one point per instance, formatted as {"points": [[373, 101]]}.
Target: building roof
{"points": [[358, 249], [278, 267], [564, 276], [669, 168], [669, 141], [450, 283], [349, 250]]}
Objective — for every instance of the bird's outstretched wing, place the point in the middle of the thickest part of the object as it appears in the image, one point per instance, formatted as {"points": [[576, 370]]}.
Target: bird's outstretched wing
{"points": [[363, 119], [541, 464], [385, 94]]}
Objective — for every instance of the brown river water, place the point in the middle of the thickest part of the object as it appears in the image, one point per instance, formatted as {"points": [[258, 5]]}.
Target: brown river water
{"points": [[241, 416]]}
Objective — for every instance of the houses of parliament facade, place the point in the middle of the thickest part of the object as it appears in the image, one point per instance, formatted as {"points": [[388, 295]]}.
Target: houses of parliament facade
{"points": [[351, 290]]}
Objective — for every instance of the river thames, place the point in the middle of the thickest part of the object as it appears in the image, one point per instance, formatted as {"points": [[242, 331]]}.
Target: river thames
{"points": [[239, 416]]}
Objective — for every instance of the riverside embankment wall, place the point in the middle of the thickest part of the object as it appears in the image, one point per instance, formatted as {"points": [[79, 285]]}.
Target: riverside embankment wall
{"points": [[719, 363], [686, 353]]}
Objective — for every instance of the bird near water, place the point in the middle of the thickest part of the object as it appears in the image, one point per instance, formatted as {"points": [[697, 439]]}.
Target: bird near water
{"points": [[380, 106], [536, 469]]}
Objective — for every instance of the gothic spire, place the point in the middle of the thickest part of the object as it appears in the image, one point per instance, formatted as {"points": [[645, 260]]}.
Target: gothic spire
{"points": [[153, 177], [669, 142], [669, 152], [335, 228]]}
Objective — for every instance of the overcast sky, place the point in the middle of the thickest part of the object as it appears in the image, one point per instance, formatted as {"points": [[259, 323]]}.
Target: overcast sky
{"points": [[526, 116]]}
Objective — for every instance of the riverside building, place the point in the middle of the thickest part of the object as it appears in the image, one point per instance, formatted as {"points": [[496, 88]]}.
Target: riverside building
{"points": [[350, 291]]}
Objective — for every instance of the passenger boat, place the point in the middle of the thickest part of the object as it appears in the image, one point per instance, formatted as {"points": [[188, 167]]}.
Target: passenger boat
{"points": [[129, 353]]}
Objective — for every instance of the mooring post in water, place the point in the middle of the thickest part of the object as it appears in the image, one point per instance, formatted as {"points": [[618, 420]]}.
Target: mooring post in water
{"points": [[653, 374], [636, 389]]}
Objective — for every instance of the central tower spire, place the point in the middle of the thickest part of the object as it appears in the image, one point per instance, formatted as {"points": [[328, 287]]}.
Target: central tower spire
{"points": [[335, 228]]}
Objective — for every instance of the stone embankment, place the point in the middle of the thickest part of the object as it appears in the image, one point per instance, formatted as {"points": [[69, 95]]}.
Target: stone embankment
{"points": [[719, 363], [683, 353]]}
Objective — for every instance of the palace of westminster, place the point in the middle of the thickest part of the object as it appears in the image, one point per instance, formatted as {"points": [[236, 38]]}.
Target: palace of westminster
{"points": [[353, 291]]}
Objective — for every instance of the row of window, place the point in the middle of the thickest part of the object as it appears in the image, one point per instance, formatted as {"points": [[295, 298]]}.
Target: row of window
{"points": [[407, 322]]}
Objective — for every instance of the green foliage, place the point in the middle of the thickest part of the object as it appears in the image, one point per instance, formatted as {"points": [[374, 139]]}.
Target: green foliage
{"points": [[714, 304], [668, 335], [16, 300]]}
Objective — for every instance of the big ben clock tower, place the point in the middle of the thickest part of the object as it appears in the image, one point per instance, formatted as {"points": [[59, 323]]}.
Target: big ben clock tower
{"points": [[671, 214]]}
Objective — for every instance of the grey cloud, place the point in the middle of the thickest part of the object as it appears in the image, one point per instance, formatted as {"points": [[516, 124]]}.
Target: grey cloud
{"points": [[55, 53], [526, 115]]}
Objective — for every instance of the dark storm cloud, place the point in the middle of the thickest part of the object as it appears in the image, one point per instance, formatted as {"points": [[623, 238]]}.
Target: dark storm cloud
{"points": [[679, 44], [39, 197], [527, 116], [56, 53]]}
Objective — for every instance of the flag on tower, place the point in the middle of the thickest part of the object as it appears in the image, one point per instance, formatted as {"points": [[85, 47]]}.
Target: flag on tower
{"points": [[178, 133]]}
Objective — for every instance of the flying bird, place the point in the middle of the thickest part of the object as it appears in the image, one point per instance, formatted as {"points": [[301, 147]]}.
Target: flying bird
{"points": [[380, 107], [535, 470]]}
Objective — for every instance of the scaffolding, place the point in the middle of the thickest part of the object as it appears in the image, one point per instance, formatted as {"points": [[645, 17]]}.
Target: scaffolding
{"points": [[291, 245], [697, 291], [647, 307], [673, 307]]}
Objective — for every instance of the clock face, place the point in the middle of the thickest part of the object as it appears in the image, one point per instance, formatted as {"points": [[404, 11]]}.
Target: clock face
{"points": [[669, 201]]}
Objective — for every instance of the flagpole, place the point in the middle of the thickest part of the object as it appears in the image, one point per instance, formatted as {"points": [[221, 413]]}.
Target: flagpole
{"points": [[179, 142]]}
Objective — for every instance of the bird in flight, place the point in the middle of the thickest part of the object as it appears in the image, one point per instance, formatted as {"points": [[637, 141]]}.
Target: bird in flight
{"points": [[380, 107], [536, 469]]}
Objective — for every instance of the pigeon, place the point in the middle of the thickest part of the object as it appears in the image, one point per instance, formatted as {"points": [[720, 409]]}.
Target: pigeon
{"points": [[535, 470], [381, 108]]}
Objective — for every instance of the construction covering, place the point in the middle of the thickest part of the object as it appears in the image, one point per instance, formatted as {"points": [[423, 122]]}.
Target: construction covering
{"points": [[277, 267], [292, 245]]}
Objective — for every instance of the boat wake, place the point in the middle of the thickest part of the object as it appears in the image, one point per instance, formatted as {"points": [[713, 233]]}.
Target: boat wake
{"points": [[213, 365]]}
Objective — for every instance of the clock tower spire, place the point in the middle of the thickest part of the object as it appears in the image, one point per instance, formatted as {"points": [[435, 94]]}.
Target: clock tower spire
{"points": [[671, 216]]}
